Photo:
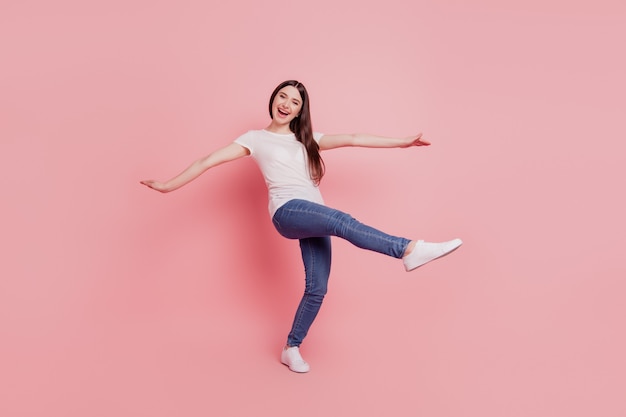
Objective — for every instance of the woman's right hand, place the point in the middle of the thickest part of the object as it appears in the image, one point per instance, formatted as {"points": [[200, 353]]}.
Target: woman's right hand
{"points": [[155, 185]]}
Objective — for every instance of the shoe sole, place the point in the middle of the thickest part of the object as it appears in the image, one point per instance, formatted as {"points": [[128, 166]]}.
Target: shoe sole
{"points": [[294, 370]]}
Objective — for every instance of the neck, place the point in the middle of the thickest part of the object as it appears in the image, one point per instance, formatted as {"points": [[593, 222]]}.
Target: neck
{"points": [[278, 128]]}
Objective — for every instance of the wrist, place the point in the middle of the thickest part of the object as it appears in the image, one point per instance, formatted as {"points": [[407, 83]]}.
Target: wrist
{"points": [[406, 142], [163, 188]]}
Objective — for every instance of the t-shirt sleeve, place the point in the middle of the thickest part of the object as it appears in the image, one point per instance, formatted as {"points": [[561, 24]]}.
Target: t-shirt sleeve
{"points": [[246, 140], [317, 136]]}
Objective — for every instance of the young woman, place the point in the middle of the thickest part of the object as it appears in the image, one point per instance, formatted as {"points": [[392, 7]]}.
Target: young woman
{"points": [[288, 153]]}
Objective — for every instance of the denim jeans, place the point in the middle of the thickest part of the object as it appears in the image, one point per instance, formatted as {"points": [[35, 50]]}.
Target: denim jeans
{"points": [[313, 224]]}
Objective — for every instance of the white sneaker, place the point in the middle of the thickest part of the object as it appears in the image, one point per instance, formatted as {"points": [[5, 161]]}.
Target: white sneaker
{"points": [[424, 252], [291, 357]]}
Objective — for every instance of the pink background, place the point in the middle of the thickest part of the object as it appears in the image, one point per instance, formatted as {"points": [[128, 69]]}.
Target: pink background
{"points": [[119, 301]]}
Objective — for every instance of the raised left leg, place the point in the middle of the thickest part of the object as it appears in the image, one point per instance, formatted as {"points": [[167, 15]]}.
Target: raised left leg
{"points": [[299, 219]]}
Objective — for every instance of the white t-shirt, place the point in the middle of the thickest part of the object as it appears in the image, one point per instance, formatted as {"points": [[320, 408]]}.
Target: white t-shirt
{"points": [[283, 162]]}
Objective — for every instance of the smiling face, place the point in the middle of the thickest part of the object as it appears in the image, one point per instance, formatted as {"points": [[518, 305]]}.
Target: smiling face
{"points": [[286, 105]]}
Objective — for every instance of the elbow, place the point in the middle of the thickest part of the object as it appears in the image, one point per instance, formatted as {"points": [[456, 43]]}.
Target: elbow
{"points": [[203, 164], [357, 139]]}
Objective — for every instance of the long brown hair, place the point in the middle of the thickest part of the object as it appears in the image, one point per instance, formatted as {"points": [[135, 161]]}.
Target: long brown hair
{"points": [[301, 126]]}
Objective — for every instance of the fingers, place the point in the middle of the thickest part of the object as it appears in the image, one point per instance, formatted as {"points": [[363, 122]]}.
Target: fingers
{"points": [[419, 141], [151, 184], [155, 185]]}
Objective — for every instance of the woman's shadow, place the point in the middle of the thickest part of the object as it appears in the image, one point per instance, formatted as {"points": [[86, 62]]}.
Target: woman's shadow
{"points": [[266, 268]]}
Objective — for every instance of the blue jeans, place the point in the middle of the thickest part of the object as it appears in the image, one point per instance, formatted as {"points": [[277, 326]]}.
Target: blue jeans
{"points": [[313, 224]]}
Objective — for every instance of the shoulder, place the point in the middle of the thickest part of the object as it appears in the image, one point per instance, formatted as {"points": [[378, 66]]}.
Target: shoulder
{"points": [[248, 136], [257, 140], [247, 140]]}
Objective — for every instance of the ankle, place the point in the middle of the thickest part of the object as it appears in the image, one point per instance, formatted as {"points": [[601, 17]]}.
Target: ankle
{"points": [[409, 248]]}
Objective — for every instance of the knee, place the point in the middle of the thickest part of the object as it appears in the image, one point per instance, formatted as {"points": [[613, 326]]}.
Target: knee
{"points": [[314, 299], [317, 290]]}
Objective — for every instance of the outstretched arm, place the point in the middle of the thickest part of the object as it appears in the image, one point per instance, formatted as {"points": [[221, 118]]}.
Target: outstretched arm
{"points": [[370, 141], [226, 154]]}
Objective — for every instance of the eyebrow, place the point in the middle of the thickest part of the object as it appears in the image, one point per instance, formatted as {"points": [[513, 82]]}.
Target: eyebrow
{"points": [[291, 98]]}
